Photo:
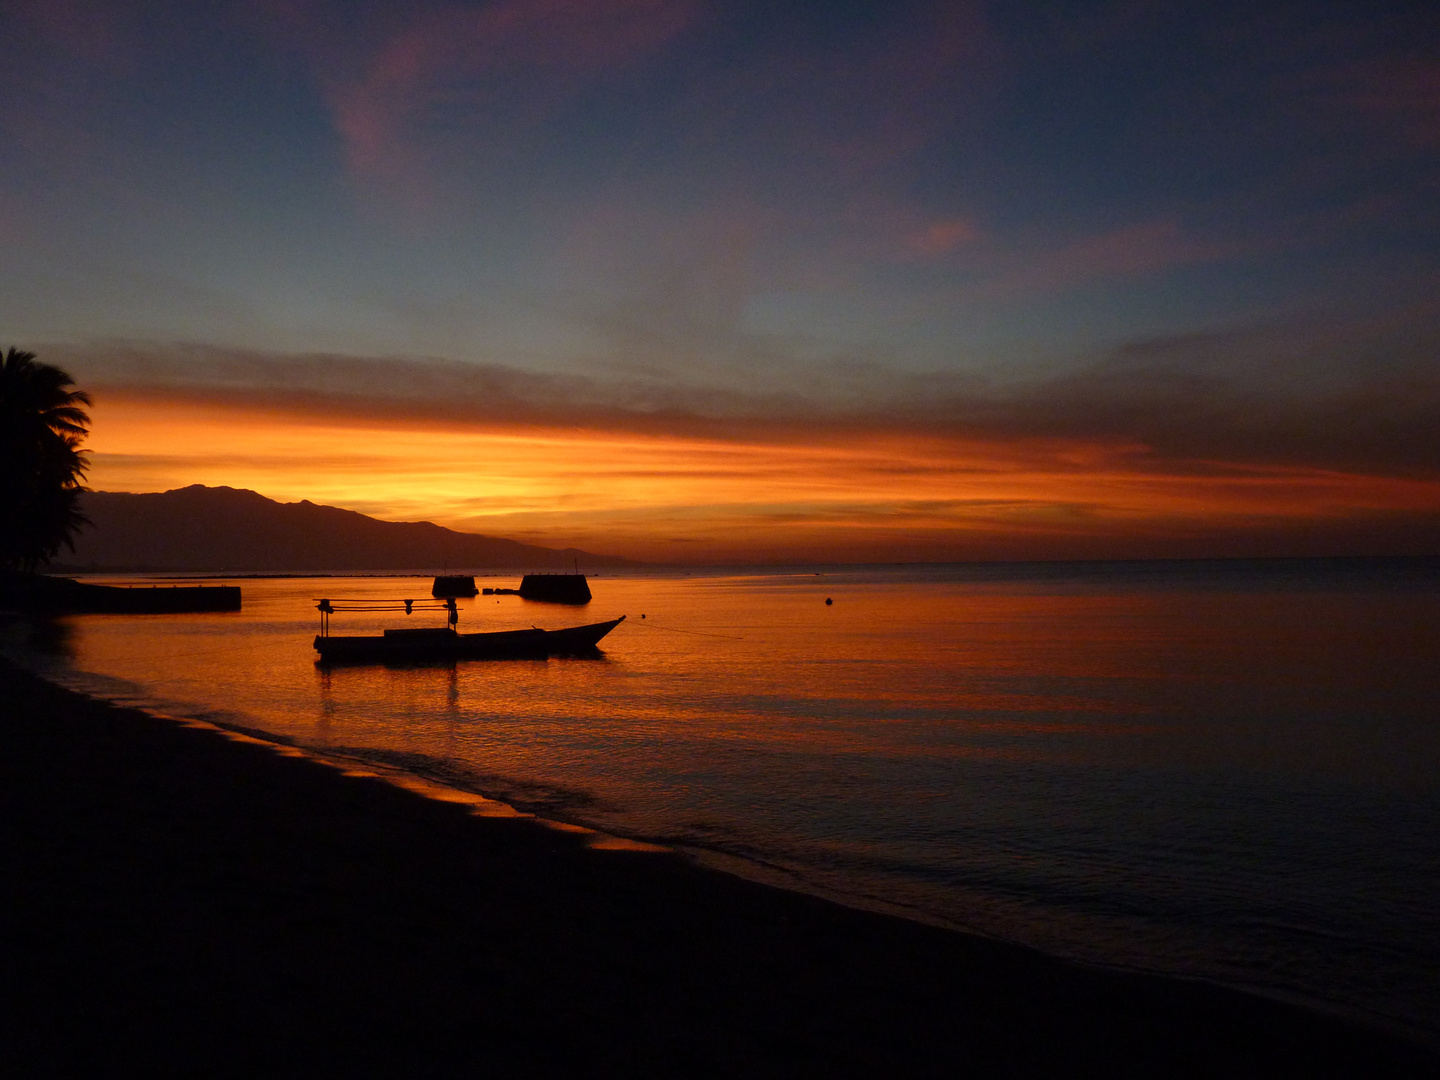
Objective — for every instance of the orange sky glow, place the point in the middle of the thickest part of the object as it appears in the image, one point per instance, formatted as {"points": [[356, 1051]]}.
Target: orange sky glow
{"points": [[842, 496]]}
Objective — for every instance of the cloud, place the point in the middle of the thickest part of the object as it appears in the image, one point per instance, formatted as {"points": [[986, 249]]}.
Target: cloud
{"points": [[1402, 92], [725, 102], [1142, 249], [841, 98], [455, 68], [1358, 397], [1187, 446], [1322, 397], [939, 238]]}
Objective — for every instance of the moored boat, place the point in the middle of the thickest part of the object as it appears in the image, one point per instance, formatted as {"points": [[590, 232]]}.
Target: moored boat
{"points": [[446, 643]]}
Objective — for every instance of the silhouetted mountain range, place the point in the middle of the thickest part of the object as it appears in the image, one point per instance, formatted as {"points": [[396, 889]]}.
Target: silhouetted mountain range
{"points": [[227, 529]]}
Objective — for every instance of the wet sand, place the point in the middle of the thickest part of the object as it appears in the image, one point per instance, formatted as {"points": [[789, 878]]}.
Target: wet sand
{"points": [[174, 900]]}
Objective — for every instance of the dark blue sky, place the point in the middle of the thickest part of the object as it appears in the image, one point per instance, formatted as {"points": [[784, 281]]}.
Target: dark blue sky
{"points": [[932, 187]]}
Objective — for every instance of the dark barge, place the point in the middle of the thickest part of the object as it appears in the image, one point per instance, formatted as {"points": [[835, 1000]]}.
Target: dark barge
{"points": [[556, 588], [453, 585]]}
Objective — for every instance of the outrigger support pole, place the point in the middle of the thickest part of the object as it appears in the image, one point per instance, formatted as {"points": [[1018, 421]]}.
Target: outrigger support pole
{"points": [[328, 608]]}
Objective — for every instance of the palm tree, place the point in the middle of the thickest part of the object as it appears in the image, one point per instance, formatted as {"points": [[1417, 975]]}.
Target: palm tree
{"points": [[41, 464]]}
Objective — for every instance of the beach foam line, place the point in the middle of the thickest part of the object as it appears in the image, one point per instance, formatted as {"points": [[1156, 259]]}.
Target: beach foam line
{"points": [[361, 769]]}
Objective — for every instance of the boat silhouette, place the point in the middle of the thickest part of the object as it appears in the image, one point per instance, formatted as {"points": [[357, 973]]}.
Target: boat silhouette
{"points": [[445, 642]]}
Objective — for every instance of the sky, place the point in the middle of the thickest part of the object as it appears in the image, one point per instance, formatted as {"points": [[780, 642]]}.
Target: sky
{"points": [[705, 281]]}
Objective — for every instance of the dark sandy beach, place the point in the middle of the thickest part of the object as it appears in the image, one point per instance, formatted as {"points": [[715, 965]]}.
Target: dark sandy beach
{"points": [[173, 900]]}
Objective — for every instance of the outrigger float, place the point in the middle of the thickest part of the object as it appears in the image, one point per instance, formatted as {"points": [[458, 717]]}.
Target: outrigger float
{"points": [[445, 643]]}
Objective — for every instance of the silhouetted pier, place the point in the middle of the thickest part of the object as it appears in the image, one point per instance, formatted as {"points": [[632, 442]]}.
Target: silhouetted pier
{"points": [[37, 592]]}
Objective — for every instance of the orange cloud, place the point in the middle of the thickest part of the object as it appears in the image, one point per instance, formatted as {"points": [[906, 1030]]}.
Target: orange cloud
{"points": [[856, 494]]}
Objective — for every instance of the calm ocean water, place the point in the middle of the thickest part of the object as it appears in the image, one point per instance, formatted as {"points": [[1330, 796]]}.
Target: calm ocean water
{"points": [[1228, 771]]}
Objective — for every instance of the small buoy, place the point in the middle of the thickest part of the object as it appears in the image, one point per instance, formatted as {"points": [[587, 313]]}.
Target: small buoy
{"points": [[828, 601], [642, 616]]}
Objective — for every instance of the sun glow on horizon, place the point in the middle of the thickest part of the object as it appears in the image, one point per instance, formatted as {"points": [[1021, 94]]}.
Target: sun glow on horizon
{"points": [[681, 498]]}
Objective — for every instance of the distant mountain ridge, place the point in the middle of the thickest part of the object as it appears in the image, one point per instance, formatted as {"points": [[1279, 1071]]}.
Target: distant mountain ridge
{"points": [[200, 528]]}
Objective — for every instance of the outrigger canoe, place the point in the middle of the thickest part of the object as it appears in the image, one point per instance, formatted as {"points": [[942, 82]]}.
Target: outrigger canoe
{"points": [[445, 643]]}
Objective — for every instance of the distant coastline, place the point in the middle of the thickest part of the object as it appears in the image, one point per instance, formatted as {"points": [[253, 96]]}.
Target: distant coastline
{"points": [[224, 530]]}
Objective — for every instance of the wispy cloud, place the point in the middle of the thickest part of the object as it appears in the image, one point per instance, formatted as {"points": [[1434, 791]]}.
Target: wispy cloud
{"points": [[1126, 253], [830, 494], [938, 238], [1360, 397], [1401, 92], [860, 100], [458, 71]]}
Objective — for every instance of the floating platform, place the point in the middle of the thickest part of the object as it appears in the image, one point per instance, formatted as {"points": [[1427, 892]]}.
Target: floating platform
{"points": [[454, 585], [556, 588]]}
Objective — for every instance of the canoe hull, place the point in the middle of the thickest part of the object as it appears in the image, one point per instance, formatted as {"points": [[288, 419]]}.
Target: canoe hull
{"points": [[422, 646]]}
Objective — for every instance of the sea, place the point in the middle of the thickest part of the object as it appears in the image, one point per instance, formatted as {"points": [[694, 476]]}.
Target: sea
{"points": [[1215, 770]]}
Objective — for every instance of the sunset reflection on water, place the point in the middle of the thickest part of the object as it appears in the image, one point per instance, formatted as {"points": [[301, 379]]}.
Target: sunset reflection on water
{"points": [[1218, 775]]}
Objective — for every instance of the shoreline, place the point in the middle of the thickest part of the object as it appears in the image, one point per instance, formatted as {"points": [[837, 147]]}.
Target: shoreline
{"points": [[717, 859], [438, 783], [205, 900]]}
